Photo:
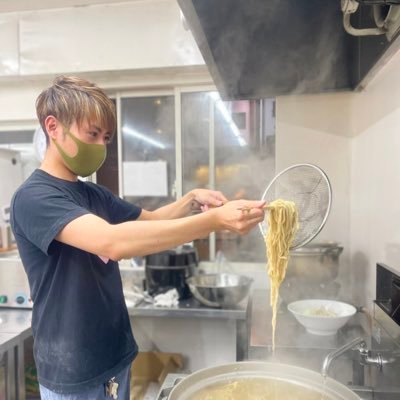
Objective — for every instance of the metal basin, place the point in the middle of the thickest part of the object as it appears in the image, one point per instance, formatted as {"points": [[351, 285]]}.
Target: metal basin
{"points": [[283, 381], [219, 290]]}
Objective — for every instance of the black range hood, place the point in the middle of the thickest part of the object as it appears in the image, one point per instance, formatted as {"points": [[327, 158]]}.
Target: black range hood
{"points": [[265, 48]]}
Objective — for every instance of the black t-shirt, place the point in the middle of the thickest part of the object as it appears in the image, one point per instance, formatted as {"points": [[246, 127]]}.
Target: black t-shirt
{"points": [[81, 328]]}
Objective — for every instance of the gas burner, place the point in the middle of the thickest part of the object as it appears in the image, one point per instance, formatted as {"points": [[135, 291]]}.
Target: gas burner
{"points": [[170, 381]]}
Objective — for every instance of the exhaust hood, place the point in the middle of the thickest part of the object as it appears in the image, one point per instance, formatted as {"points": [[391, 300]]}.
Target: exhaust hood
{"points": [[259, 48]]}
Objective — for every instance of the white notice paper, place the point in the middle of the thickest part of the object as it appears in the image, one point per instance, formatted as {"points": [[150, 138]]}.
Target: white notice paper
{"points": [[145, 178]]}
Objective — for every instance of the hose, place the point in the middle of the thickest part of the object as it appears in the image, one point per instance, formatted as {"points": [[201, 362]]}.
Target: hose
{"points": [[360, 32]]}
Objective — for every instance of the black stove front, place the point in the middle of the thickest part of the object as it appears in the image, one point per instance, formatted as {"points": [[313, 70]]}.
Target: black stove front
{"points": [[388, 291]]}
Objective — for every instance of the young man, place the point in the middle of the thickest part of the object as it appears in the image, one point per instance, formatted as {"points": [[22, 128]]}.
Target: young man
{"points": [[70, 235]]}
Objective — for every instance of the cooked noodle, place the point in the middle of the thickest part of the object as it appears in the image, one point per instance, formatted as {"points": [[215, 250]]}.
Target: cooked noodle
{"points": [[282, 227], [256, 389]]}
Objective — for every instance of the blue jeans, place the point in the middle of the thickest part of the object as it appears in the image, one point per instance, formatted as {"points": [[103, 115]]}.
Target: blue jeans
{"points": [[96, 393]]}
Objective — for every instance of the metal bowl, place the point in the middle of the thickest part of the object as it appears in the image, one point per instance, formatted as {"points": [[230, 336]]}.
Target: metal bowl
{"points": [[219, 290]]}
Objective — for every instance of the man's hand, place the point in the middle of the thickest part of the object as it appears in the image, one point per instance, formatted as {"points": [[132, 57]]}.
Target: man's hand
{"points": [[204, 199], [240, 216]]}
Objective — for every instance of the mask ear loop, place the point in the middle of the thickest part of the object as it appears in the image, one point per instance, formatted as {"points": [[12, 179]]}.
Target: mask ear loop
{"points": [[59, 148], [66, 131]]}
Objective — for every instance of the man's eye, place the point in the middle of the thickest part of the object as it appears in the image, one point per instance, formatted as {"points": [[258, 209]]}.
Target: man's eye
{"points": [[94, 134]]}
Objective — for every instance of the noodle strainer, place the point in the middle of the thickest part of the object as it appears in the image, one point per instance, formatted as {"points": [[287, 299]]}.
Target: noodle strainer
{"points": [[309, 188]]}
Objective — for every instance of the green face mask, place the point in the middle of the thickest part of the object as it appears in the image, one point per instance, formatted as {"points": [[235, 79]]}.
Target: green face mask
{"points": [[87, 160]]}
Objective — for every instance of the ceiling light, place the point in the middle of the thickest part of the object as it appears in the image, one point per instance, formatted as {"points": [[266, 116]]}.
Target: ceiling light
{"points": [[134, 133]]}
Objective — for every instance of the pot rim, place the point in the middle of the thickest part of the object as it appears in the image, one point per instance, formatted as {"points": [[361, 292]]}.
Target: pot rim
{"points": [[333, 389], [244, 281], [318, 249]]}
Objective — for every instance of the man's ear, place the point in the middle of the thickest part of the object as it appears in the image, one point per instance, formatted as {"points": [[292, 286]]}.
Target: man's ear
{"points": [[52, 126]]}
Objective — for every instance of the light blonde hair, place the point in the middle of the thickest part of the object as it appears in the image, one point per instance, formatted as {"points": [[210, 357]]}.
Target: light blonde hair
{"points": [[71, 99]]}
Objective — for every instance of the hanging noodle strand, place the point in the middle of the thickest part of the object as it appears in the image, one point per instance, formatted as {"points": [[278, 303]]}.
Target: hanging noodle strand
{"points": [[282, 227]]}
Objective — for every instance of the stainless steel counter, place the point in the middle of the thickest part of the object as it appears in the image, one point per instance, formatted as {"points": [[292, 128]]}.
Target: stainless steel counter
{"points": [[15, 327], [290, 334], [191, 310]]}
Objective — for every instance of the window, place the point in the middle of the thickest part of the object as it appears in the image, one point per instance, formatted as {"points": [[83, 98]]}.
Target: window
{"points": [[226, 146], [148, 144]]}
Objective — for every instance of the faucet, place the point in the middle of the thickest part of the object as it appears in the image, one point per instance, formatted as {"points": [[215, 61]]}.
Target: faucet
{"points": [[353, 345], [366, 356]]}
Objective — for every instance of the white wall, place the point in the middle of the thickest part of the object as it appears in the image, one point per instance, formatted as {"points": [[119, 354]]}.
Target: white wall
{"points": [[375, 189], [306, 132], [355, 138], [314, 129]]}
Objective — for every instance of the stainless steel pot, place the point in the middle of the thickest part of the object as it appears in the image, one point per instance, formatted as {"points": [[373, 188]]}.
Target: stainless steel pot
{"points": [[315, 262], [307, 381]]}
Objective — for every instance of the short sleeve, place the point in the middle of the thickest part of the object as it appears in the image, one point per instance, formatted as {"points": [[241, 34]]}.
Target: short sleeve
{"points": [[120, 210], [39, 215]]}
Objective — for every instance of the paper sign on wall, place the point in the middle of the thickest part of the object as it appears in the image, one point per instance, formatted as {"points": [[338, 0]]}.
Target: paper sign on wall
{"points": [[145, 178]]}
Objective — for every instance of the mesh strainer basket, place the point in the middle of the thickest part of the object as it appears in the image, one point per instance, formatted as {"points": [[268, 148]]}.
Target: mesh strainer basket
{"points": [[309, 188]]}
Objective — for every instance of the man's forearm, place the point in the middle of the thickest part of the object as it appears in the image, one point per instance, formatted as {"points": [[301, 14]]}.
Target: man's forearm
{"points": [[177, 209], [137, 238], [140, 238]]}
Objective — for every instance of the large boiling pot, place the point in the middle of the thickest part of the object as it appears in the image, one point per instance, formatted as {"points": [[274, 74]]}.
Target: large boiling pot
{"points": [[283, 381]]}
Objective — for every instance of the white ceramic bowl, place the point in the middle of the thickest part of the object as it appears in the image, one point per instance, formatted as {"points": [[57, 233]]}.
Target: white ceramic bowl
{"points": [[321, 317]]}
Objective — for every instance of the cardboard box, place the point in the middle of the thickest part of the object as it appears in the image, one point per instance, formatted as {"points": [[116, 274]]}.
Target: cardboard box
{"points": [[152, 367]]}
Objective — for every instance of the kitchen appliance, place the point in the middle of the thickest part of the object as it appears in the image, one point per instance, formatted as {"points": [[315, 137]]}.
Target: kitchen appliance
{"points": [[309, 188], [14, 286], [7, 239], [170, 269], [281, 376], [388, 292]]}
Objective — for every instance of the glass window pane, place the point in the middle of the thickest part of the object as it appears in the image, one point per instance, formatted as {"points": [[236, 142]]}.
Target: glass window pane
{"points": [[195, 140], [195, 116], [148, 134], [245, 164]]}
